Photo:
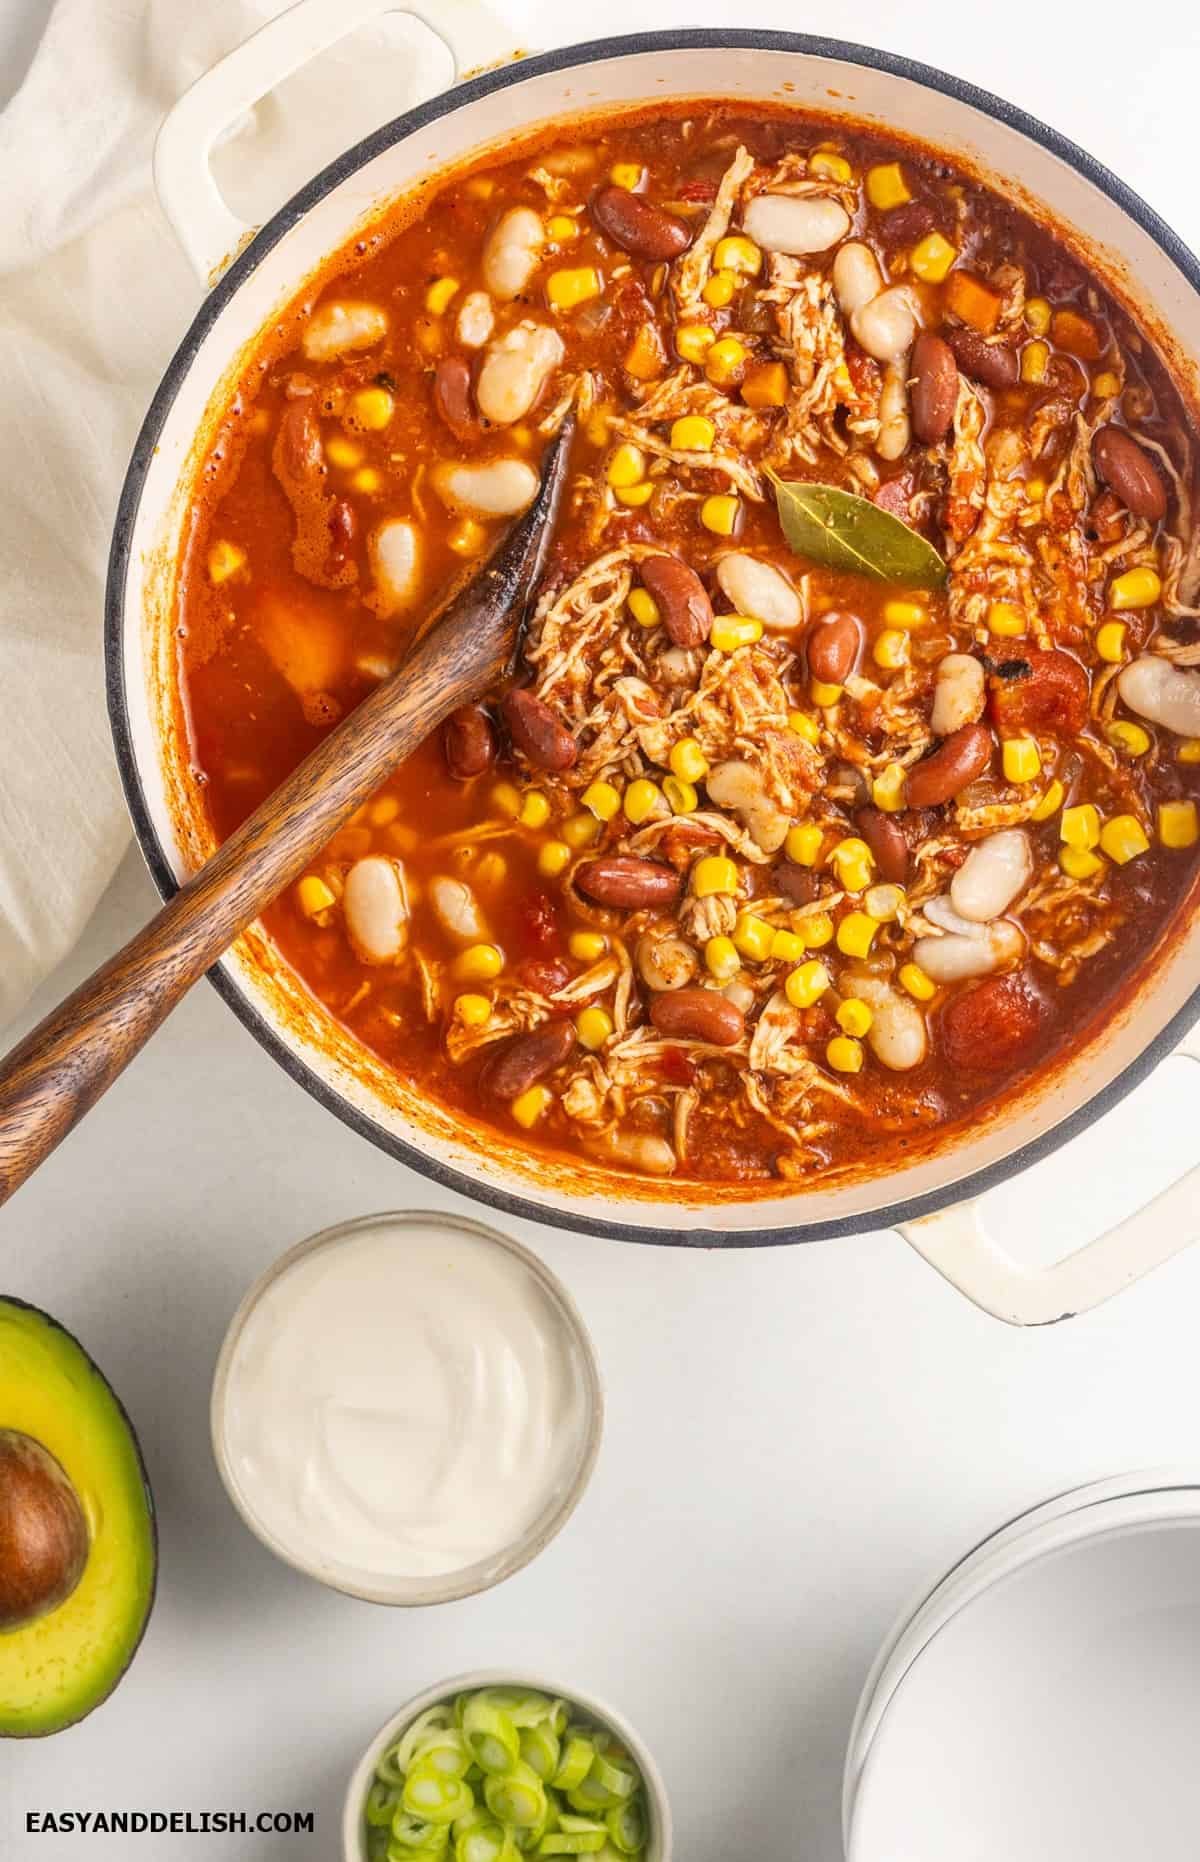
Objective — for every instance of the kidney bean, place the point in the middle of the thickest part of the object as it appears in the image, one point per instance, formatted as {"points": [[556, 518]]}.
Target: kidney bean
{"points": [[638, 226], [537, 733], [796, 883], [1130, 472], [526, 1059], [833, 647], [343, 528], [698, 1015], [469, 742], [1048, 691], [903, 226], [682, 600], [994, 364], [627, 883], [934, 391], [452, 393], [960, 758], [885, 837], [984, 1029]]}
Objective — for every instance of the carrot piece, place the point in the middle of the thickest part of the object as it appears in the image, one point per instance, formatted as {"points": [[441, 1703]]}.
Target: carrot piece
{"points": [[969, 298], [766, 385], [645, 359], [1076, 334]]}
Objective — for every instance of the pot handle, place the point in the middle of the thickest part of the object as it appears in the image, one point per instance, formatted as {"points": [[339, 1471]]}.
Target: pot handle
{"points": [[955, 1242], [209, 232]]}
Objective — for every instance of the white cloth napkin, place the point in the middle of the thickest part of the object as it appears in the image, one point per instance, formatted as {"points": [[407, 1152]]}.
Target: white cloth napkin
{"points": [[94, 297]]}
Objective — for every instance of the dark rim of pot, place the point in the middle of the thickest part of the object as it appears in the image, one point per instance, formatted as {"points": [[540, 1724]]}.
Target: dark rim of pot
{"points": [[697, 1234]]}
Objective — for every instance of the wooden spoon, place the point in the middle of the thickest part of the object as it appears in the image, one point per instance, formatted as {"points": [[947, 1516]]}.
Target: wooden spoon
{"points": [[56, 1074]]}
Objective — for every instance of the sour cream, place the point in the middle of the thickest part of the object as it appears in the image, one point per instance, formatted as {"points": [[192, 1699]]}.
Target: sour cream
{"points": [[404, 1400]]}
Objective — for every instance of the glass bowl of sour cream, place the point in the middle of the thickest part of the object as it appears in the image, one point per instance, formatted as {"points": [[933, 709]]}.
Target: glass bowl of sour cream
{"points": [[407, 1407]]}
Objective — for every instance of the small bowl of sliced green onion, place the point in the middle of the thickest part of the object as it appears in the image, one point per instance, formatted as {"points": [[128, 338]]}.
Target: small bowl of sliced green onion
{"points": [[486, 1768]]}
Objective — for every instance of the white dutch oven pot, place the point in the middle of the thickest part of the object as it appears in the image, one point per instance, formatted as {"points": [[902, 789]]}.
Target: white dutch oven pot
{"points": [[930, 1198]]}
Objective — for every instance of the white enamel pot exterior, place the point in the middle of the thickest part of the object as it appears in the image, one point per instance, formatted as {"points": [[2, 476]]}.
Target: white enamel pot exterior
{"points": [[924, 1197]]}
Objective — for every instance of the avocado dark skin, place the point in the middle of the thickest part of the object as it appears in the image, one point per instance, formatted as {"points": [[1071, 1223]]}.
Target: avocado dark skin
{"points": [[43, 1532]]}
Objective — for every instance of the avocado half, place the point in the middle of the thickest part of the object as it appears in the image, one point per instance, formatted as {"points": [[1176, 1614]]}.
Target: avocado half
{"points": [[78, 1547]]}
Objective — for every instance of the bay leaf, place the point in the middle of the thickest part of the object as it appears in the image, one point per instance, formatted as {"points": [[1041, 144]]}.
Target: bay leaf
{"points": [[840, 530]]}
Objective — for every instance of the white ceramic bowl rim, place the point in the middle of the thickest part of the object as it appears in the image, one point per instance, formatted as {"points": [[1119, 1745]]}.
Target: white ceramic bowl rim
{"points": [[1155, 1047]]}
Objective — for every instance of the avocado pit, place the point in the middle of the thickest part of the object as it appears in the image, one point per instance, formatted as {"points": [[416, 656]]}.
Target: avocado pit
{"points": [[43, 1532]]}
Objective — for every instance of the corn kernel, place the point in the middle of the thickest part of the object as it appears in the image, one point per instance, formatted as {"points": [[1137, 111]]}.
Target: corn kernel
{"points": [[724, 359], [844, 1054], [587, 946], [766, 385], [313, 896], [730, 631], [816, 928], [932, 257], [626, 467], [824, 694], [692, 340], [1005, 621], [593, 1026], [643, 799], [1188, 751], [736, 253], [886, 186], [787, 947], [803, 843], [806, 984], [720, 954], [372, 408], [1123, 838], [535, 810], [440, 295], [531, 1105], [1080, 826], [1022, 759], [473, 1011], [1080, 862], [1035, 490], [856, 934], [602, 799], [1034, 358], [851, 849], [367, 480], [554, 857], [1050, 803], [479, 963], [720, 513], [688, 760], [752, 937], [224, 561], [491, 870], [906, 614], [1137, 588], [468, 538], [1110, 641], [1177, 824], [507, 799], [887, 789], [344, 454], [715, 873], [692, 433], [852, 863], [635, 495], [830, 165], [1037, 315], [720, 290], [566, 290], [805, 726], [854, 1017], [1106, 384], [890, 649], [1127, 737], [626, 174], [579, 830], [922, 988], [682, 798], [883, 902], [643, 607], [562, 227]]}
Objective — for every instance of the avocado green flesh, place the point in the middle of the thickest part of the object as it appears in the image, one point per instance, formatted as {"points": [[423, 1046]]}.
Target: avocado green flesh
{"points": [[54, 1670]]}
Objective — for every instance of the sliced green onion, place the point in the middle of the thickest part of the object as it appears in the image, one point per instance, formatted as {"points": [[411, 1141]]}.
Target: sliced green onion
{"points": [[489, 1732], [576, 1762], [626, 1824], [435, 1797], [523, 1706], [540, 1750], [400, 1758], [572, 1843], [559, 1717], [519, 1797], [487, 1841], [446, 1751], [619, 1777], [591, 1796], [382, 1804], [411, 1833]]}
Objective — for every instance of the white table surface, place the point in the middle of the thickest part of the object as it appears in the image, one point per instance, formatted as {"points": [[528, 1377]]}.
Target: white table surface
{"points": [[795, 1437]]}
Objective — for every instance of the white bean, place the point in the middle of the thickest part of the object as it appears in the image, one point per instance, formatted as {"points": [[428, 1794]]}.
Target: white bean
{"points": [[958, 694], [739, 992], [950, 959], [638, 1150], [375, 902], [795, 223], [739, 786], [476, 320], [994, 873], [499, 488], [513, 252], [940, 912], [456, 909], [335, 328], [856, 276], [1162, 694], [665, 961], [760, 589], [393, 552], [895, 428], [514, 371], [897, 1036], [887, 325]]}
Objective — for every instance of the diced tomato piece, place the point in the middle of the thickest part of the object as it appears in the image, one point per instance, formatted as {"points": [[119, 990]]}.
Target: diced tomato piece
{"points": [[538, 924], [675, 1066], [985, 1029], [1047, 691], [543, 974]]}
